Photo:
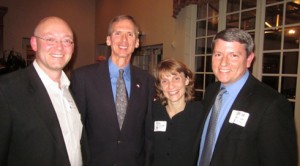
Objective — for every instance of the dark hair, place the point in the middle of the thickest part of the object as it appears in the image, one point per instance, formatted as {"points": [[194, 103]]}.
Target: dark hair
{"points": [[120, 18], [172, 66], [236, 35]]}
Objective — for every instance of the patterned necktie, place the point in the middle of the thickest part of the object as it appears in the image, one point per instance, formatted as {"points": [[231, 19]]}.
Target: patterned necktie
{"points": [[211, 130], [121, 98]]}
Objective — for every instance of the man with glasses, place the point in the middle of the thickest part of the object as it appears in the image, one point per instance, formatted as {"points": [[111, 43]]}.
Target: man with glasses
{"points": [[39, 121]]}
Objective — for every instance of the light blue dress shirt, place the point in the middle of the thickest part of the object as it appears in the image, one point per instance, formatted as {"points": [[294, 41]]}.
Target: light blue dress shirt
{"points": [[228, 98], [114, 74]]}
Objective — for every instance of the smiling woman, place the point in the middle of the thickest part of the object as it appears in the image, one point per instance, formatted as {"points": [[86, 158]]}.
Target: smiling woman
{"points": [[176, 116]]}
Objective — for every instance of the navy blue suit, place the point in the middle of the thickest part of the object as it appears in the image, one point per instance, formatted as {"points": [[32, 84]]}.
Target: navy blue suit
{"points": [[108, 144]]}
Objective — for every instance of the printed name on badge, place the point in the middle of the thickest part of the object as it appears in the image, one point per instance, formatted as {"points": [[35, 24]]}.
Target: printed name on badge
{"points": [[160, 126], [239, 117]]}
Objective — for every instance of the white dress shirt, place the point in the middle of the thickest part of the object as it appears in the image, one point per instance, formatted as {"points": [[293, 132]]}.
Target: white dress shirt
{"points": [[67, 113]]}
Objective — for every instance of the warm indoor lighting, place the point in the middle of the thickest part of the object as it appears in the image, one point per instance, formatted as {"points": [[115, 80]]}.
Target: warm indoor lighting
{"points": [[277, 20], [291, 31], [268, 25]]}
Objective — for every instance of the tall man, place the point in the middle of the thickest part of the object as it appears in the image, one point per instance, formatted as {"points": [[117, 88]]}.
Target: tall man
{"points": [[95, 86], [255, 124], [39, 121]]}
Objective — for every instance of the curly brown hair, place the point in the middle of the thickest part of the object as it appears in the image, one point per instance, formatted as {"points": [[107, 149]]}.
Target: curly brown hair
{"points": [[172, 66]]}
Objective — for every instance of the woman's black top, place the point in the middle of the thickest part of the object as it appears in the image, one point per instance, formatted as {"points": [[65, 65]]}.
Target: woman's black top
{"points": [[175, 139]]}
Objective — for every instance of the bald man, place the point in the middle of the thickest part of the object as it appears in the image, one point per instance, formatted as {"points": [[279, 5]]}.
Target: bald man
{"points": [[39, 121]]}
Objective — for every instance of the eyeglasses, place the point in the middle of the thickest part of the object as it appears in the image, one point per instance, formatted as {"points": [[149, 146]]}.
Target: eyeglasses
{"points": [[53, 41]]}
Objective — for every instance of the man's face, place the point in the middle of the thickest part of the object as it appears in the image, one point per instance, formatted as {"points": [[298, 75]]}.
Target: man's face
{"points": [[51, 45], [123, 39], [230, 61]]}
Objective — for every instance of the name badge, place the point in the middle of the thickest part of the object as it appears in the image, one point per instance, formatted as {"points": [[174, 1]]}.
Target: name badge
{"points": [[160, 126], [239, 117]]}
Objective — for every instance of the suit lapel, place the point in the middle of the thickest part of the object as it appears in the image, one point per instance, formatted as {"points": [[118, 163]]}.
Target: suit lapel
{"points": [[133, 97], [135, 89], [240, 104], [42, 104], [208, 101], [103, 83]]}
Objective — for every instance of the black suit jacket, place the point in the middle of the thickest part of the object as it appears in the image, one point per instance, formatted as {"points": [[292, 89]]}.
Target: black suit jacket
{"points": [[30, 133], [269, 137], [109, 145]]}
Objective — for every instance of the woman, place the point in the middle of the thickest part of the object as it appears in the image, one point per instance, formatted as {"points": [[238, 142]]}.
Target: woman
{"points": [[176, 116]]}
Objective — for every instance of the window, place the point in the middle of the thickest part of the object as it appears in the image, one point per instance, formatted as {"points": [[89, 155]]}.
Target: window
{"points": [[275, 28]]}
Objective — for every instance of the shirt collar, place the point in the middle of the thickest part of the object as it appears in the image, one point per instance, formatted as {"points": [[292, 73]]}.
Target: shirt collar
{"points": [[114, 70], [47, 81], [234, 88]]}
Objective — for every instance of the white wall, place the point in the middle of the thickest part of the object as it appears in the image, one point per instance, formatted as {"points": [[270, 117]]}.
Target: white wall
{"points": [[23, 16], [154, 18]]}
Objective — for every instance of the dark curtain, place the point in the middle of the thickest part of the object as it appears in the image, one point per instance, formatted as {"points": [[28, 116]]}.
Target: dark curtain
{"points": [[179, 4]]}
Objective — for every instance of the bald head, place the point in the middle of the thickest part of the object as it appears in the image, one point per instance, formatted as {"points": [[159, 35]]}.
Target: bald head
{"points": [[54, 45], [42, 27]]}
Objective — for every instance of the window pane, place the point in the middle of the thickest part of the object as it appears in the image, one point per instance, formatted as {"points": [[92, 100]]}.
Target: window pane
{"points": [[232, 21], [213, 8], [273, 17], [199, 80], [201, 27], [246, 4], [198, 95], [290, 63], [288, 87], [209, 78], [271, 63], [292, 13], [200, 46], [208, 45], [212, 28], [272, 1], [248, 20], [271, 81], [201, 11], [233, 5], [291, 38], [272, 40], [208, 64], [199, 63]]}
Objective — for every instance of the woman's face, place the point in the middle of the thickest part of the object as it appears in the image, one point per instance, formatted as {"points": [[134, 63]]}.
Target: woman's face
{"points": [[173, 86]]}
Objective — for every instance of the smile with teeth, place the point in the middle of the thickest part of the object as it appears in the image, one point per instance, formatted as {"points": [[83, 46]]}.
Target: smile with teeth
{"points": [[225, 70], [57, 55], [123, 47], [173, 92]]}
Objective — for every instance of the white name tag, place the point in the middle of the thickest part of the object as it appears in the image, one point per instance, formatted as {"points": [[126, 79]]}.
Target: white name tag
{"points": [[239, 117], [160, 126]]}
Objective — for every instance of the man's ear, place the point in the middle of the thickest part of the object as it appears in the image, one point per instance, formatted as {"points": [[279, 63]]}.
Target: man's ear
{"points": [[250, 58], [137, 43], [33, 43], [108, 42]]}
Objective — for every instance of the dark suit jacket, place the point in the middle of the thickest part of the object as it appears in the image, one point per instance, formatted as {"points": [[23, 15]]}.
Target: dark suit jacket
{"points": [[109, 145], [269, 137], [30, 133]]}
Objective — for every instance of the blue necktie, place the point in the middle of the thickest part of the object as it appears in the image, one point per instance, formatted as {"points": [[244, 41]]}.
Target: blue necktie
{"points": [[211, 130]]}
